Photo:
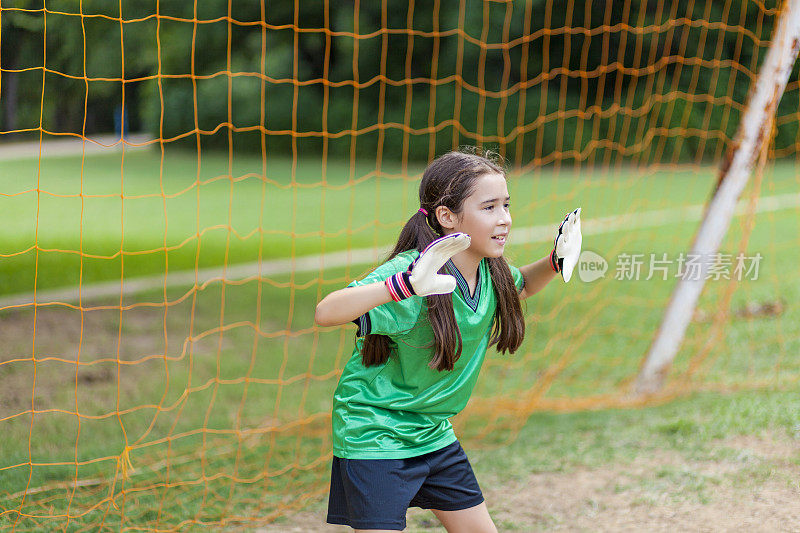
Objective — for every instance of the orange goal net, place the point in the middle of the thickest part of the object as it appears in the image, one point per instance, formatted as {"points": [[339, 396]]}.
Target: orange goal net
{"points": [[161, 369]]}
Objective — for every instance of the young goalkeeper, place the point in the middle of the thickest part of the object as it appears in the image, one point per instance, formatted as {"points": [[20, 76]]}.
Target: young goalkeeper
{"points": [[425, 320]]}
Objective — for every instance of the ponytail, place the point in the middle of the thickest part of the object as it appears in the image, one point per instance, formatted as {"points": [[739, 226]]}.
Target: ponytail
{"points": [[508, 327], [417, 234]]}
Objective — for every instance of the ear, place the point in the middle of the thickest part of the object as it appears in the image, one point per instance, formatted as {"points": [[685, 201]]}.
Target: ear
{"points": [[447, 219]]}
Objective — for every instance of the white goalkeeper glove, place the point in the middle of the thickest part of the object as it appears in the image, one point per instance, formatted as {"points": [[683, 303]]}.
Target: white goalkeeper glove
{"points": [[567, 247], [422, 277]]}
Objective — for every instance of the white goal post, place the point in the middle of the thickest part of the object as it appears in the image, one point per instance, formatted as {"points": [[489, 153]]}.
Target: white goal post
{"points": [[754, 131]]}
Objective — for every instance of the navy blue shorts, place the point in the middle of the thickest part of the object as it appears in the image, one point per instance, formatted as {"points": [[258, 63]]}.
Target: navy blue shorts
{"points": [[376, 493]]}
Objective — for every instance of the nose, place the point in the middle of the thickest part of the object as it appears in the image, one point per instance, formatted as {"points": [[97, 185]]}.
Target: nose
{"points": [[505, 219]]}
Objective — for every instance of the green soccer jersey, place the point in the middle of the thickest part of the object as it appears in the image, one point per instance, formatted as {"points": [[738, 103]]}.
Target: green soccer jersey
{"points": [[402, 408]]}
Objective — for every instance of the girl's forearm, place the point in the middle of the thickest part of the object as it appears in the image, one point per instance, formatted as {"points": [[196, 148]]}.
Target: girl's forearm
{"points": [[345, 305], [537, 275]]}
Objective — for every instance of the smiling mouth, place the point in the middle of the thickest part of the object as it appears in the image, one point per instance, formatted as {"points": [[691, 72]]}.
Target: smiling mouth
{"points": [[501, 239]]}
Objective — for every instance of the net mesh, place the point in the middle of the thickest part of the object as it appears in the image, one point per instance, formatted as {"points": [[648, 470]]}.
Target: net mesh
{"points": [[161, 369]]}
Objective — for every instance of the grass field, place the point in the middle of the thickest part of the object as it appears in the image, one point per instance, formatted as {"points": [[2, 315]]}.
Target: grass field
{"points": [[221, 395], [107, 218]]}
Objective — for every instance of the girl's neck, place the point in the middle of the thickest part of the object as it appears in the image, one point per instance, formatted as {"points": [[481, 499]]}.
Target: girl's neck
{"points": [[467, 264]]}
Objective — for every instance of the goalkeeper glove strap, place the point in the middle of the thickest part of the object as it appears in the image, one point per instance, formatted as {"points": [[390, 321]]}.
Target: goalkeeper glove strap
{"points": [[554, 261], [399, 286]]}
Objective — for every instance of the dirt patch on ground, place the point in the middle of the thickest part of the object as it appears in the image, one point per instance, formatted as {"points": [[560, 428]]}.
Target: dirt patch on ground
{"points": [[751, 486], [110, 344], [747, 483]]}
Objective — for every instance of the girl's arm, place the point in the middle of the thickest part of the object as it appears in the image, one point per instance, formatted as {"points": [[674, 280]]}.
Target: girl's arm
{"points": [[537, 275], [562, 259], [345, 305], [422, 279]]}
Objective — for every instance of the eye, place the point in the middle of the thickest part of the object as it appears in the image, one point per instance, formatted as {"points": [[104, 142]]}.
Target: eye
{"points": [[490, 207], [507, 206]]}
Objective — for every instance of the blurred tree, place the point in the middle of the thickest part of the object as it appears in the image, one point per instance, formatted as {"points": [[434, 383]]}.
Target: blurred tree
{"points": [[577, 72], [24, 30]]}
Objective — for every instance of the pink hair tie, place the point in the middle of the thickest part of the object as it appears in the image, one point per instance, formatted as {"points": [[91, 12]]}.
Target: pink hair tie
{"points": [[422, 210]]}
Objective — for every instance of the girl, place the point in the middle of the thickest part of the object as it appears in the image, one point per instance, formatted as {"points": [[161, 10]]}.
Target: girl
{"points": [[420, 344]]}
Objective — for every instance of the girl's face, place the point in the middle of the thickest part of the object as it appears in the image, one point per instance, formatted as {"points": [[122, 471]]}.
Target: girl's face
{"points": [[485, 216]]}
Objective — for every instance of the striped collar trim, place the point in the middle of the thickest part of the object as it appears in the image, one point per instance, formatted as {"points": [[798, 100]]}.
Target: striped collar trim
{"points": [[471, 300]]}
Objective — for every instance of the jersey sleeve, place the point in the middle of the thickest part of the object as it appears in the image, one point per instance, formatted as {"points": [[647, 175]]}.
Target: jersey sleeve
{"points": [[519, 279], [393, 318]]}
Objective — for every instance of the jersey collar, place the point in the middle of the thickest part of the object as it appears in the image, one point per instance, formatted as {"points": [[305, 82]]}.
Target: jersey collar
{"points": [[471, 300]]}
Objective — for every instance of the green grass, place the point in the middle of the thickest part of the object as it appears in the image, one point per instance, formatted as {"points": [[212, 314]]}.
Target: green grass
{"points": [[109, 217], [224, 394]]}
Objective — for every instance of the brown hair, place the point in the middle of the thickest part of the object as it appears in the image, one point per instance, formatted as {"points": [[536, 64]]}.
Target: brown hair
{"points": [[449, 180]]}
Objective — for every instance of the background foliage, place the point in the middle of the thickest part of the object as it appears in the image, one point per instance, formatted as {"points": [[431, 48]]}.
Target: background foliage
{"points": [[581, 70]]}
